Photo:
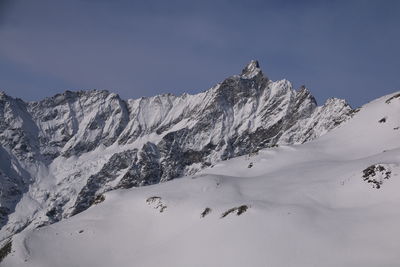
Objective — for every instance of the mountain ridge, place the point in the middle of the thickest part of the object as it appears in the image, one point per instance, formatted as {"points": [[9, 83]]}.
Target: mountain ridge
{"points": [[66, 150], [333, 200]]}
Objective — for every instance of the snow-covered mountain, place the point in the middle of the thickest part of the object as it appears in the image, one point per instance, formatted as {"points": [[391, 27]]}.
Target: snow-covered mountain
{"points": [[329, 202], [60, 154]]}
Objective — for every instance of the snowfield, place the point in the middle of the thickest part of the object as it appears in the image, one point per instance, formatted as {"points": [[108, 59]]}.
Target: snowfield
{"points": [[330, 202]]}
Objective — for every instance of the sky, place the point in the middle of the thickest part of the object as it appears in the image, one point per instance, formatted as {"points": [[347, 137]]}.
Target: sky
{"points": [[345, 49]]}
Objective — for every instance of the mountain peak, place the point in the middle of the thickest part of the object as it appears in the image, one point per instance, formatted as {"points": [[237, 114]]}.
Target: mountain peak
{"points": [[251, 70]]}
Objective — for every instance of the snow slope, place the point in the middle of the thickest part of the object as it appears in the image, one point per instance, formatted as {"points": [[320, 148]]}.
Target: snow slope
{"points": [[315, 204]]}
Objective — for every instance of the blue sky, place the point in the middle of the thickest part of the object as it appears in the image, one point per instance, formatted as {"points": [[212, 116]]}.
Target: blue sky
{"points": [[347, 49]]}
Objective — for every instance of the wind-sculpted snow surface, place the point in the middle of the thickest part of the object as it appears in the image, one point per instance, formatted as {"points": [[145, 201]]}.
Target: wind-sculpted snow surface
{"points": [[63, 151], [313, 204]]}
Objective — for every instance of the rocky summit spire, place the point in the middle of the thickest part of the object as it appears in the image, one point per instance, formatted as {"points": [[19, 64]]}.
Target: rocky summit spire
{"points": [[251, 70]]}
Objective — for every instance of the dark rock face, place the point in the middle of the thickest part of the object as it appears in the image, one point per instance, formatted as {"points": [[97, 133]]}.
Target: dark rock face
{"points": [[376, 174], [18, 132], [144, 170], [396, 96], [205, 212], [73, 123], [109, 172], [14, 182], [238, 210], [68, 149]]}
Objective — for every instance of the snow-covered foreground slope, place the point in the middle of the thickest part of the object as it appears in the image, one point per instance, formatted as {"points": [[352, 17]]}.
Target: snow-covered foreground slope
{"points": [[331, 202]]}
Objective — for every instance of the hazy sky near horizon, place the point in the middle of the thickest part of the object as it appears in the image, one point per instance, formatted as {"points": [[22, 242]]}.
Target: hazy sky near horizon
{"points": [[347, 49]]}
